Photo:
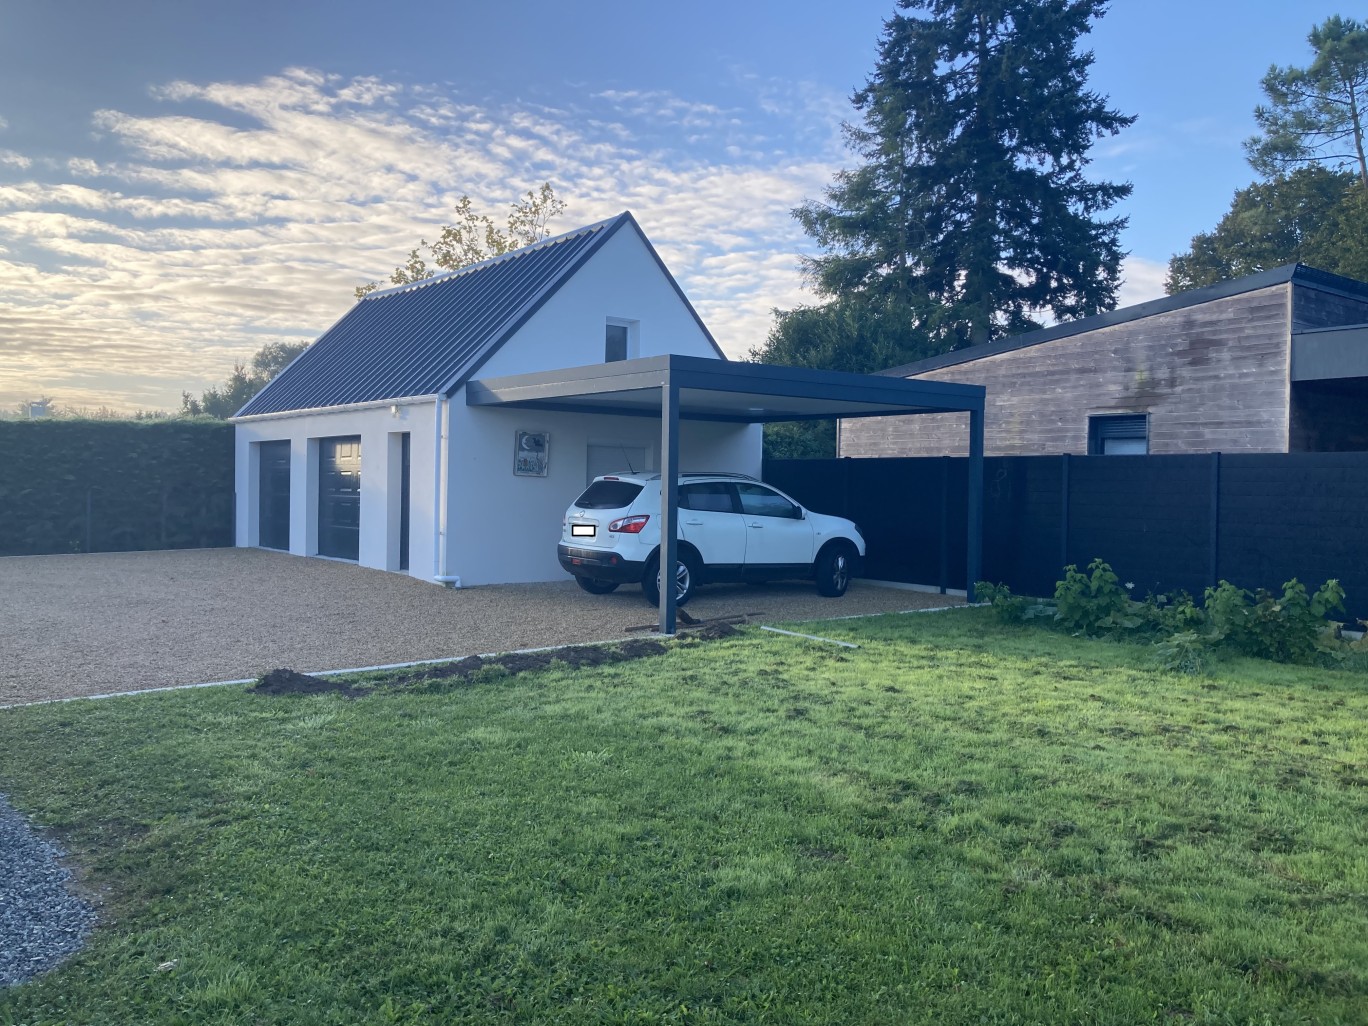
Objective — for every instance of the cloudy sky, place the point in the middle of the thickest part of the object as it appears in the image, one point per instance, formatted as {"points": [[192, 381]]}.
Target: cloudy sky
{"points": [[182, 182]]}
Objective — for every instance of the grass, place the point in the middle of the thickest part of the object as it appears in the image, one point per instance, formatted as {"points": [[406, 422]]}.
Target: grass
{"points": [[954, 823]]}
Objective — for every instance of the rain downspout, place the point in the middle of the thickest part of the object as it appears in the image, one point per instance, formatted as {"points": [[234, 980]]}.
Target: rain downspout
{"points": [[439, 535]]}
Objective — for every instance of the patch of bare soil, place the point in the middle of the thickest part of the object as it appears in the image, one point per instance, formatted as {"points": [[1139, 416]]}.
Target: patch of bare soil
{"points": [[291, 682]]}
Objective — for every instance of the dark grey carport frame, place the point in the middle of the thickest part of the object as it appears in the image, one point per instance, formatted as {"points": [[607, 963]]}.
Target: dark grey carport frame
{"points": [[676, 388]]}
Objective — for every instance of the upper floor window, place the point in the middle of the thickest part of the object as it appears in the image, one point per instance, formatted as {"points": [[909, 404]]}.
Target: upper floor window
{"points": [[1125, 434], [619, 340]]}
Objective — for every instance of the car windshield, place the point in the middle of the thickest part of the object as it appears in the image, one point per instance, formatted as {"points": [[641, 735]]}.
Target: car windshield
{"points": [[608, 495]]}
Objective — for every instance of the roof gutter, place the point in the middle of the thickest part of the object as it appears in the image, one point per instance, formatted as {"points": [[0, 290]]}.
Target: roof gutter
{"points": [[372, 404]]}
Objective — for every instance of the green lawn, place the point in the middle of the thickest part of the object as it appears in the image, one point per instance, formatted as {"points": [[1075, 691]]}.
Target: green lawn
{"points": [[954, 823]]}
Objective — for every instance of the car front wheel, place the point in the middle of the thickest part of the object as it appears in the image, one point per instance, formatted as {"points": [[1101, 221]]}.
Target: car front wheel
{"points": [[833, 571], [686, 579]]}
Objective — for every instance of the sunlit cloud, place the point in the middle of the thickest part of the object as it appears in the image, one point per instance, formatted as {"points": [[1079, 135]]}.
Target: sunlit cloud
{"points": [[230, 215], [1141, 281]]}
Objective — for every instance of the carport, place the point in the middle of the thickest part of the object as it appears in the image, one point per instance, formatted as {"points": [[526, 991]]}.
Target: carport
{"points": [[675, 388]]}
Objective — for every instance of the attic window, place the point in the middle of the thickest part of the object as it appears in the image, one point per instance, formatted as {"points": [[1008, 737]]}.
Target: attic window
{"points": [[614, 343], [621, 340], [1119, 435]]}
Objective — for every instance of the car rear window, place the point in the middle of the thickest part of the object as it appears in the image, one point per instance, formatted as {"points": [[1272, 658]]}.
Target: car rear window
{"points": [[608, 495]]}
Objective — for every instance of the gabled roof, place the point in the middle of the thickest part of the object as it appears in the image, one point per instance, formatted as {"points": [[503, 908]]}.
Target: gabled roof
{"points": [[1299, 273], [427, 338]]}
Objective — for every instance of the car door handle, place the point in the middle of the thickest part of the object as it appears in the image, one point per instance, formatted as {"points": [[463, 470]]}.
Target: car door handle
{"points": [[694, 523], [758, 527]]}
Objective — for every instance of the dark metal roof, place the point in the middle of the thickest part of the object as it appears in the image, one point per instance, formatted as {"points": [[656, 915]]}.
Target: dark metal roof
{"points": [[429, 337], [1299, 273], [747, 393]]}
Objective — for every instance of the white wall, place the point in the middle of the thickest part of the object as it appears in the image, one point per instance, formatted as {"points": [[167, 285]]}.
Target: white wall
{"points": [[504, 529], [379, 457], [620, 282]]}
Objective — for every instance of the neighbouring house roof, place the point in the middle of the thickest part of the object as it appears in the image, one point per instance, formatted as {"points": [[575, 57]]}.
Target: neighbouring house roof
{"points": [[1298, 273], [427, 338]]}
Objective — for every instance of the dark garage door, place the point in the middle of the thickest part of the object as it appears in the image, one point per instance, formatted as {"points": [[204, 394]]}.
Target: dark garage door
{"points": [[339, 497], [273, 509]]}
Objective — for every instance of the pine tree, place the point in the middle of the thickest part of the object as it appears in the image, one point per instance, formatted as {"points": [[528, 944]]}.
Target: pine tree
{"points": [[1317, 114], [972, 212]]}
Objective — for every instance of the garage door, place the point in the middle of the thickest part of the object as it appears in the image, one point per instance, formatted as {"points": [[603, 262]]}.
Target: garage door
{"points": [[273, 507], [339, 497]]}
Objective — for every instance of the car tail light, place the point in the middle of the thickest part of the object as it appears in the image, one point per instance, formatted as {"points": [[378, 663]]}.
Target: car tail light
{"points": [[628, 525]]}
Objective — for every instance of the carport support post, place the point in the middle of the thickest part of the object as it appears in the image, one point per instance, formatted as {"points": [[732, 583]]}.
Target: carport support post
{"points": [[975, 539], [669, 501]]}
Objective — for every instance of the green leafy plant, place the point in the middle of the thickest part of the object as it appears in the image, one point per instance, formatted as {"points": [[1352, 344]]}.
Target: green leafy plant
{"points": [[1007, 607], [1185, 652], [1095, 602], [1290, 628]]}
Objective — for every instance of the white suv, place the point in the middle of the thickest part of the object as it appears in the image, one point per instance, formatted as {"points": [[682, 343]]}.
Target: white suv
{"points": [[731, 528]]}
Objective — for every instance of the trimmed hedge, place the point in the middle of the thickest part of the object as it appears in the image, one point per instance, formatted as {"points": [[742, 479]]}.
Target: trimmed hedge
{"points": [[114, 485]]}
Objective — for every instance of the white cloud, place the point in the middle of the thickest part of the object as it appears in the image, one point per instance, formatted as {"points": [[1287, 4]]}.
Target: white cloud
{"points": [[1142, 280], [125, 280]]}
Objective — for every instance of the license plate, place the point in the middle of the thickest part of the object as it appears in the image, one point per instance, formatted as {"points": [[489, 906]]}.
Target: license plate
{"points": [[582, 530]]}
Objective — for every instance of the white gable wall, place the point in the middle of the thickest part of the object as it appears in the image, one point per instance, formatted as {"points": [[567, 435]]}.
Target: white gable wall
{"points": [[621, 281], [505, 528]]}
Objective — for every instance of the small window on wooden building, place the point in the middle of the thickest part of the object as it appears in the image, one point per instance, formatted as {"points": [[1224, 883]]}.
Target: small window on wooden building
{"points": [[1119, 435]]}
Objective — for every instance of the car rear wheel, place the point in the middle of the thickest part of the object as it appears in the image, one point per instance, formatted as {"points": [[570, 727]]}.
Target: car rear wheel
{"points": [[686, 579], [833, 570], [594, 587]]}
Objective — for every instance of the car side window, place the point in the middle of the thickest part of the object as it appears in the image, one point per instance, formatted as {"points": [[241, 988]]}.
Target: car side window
{"points": [[758, 501], [708, 497]]}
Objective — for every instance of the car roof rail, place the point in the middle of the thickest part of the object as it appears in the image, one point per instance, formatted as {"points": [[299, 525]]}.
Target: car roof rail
{"points": [[705, 473]]}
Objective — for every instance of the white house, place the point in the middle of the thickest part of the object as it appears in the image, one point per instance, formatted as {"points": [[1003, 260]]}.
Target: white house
{"points": [[364, 448]]}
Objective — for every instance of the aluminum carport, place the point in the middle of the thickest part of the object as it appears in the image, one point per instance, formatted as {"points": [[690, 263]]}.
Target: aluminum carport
{"points": [[676, 388]]}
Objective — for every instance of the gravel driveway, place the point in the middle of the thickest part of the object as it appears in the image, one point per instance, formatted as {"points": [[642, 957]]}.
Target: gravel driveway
{"points": [[103, 622]]}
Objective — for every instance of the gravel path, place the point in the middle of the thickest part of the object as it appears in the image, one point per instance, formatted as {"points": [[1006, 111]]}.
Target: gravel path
{"points": [[103, 622], [41, 922]]}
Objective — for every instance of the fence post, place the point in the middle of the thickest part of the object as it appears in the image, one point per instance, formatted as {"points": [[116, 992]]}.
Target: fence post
{"points": [[1214, 545], [1064, 510], [945, 524]]}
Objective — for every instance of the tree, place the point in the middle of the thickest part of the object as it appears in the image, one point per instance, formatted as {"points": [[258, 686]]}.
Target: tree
{"points": [[1313, 216], [972, 211], [225, 400], [856, 335], [1316, 114], [473, 237]]}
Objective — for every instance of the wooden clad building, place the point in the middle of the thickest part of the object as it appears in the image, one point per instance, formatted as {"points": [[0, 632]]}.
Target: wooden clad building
{"points": [[1273, 362]]}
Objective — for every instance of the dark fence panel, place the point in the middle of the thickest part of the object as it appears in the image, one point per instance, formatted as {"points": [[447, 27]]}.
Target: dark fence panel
{"points": [[1165, 523], [1303, 516], [111, 486], [1148, 516]]}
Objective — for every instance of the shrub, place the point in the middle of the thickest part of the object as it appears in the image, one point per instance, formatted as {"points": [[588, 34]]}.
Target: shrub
{"points": [[1008, 608], [1291, 628], [1095, 602]]}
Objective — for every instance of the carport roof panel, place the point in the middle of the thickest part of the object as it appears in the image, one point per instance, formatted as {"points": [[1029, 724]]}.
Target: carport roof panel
{"points": [[723, 390]]}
